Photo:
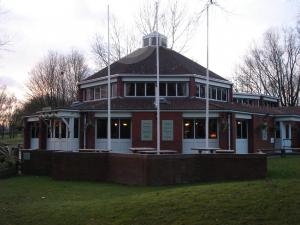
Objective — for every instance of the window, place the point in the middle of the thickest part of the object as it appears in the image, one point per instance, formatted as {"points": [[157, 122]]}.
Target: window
{"points": [[76, 127], [63, 129], [277, 130], [215, 93], [241, 129], [97, 93], [264, 133], [150, 89], [34, 129], [103, 91], [200, 128], [195, 128], [56, 128], [171, 89], [287, 131], [90, 93], [125, 128], [120, 128], [130, 89], [181, 89], [162, 89], [113, 90], [188, 129], [140, 89], [153, 41], [101, 128]]}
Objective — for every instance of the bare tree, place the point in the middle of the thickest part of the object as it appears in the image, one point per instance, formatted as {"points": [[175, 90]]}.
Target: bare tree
{"points": [[273, 67], [54, 80], [174, 20], [7, 106], [122, 43]]}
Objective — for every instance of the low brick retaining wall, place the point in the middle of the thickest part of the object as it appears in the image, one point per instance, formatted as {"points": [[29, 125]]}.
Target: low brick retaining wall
{"points": [[144, 169]]}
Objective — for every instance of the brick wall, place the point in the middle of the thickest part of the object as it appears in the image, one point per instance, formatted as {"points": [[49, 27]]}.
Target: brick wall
{"points": [[145, 169], [255, 137], [137, 118], [192, 87]]}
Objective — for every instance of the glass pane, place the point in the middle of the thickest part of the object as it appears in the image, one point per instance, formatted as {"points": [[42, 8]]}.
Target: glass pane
{"points": [[130, 89], [76, 126], [238, 129], [171, 89], [219, 93], [56, 129], [200, 128], [181, 89], [162, 89], [202, 91], [213, 93], [140, 89], [97, 93], [125, 128], [150, 89], [63, 130], [153, 41], [188, 128], [213, 128], [224, 94], [277, 130], [244, 129], [101, 128], [103, 91], [115, 128], [113, 90], [91, 93]]}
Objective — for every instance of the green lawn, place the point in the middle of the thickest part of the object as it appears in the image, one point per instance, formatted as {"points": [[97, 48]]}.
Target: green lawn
{"points": [[41, 200]]}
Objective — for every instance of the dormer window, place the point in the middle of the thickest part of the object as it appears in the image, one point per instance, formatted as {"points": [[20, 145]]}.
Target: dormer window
{"points": [[150, 40]]}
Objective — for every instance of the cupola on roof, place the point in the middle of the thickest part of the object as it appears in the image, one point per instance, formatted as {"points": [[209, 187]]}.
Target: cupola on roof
{"points": [[150, 39]]}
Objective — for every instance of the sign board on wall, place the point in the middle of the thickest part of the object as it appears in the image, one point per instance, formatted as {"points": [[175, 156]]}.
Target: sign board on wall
{"points": [[167, 130], [146, 130]]}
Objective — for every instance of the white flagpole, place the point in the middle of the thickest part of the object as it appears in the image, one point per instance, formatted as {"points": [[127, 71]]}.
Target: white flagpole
{"points": [[157, 87], [108, 86], [207, 79]]}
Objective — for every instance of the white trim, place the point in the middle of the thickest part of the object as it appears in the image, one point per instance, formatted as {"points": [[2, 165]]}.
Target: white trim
{"points": [[287, 119], [212, 83], [113, 115], [161, 79], [97, 83], [242, 96], [33, 119], [243, 116], [199, 115]]}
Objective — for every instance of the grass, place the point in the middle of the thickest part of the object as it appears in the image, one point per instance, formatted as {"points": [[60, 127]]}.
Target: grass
{"points": [[18, 139], [41, 200]]}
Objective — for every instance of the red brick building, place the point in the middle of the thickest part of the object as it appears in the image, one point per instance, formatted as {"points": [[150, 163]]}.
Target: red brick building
{"points": [[238, 121]]}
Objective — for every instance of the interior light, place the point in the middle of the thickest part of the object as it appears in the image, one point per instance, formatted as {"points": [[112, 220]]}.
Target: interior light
{"points": [[116, 124], [125, 124], [186, 124]]}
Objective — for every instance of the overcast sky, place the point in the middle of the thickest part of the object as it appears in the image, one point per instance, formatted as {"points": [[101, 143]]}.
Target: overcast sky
{"points": [[36, 26]]}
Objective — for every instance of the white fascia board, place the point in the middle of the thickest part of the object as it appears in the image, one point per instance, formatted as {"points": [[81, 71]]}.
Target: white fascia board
{"points": [[97, 79], [243, 96], [270, 99], [212, 83], [203, 77], [243, 116], [33, 119], [114, 114], [161, 78], [287, 118], [199, 114], [97, 83]]}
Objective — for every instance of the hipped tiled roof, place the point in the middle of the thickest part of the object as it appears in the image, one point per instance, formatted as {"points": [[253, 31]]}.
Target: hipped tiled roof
{"points": [[180, 104], [143, 61]]}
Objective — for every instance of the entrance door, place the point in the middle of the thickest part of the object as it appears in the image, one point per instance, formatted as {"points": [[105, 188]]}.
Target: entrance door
{"points": [[241, 137]]}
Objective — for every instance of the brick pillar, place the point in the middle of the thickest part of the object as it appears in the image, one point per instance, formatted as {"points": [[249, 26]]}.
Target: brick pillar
{"points": [[26, 142], [233, 131], [42, 135], [223, 130], [90, 130], [81, 130], [192, 87], [120, 87]]}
